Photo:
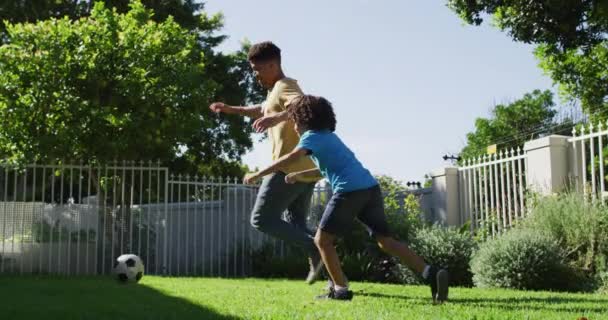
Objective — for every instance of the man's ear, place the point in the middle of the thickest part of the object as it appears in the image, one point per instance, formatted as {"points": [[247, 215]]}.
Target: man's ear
{"points": [[275, 65]]}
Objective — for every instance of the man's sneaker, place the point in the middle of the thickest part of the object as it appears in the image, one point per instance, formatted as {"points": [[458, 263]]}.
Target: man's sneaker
{"points": [[316, 264], [337, 295], [438, 279]]}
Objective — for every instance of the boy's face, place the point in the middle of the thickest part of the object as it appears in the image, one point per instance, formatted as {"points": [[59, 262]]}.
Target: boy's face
{"points": [[299, 129], [265, 72]]}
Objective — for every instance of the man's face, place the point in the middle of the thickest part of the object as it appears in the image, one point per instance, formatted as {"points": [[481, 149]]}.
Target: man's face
{"points": [[264, 72]]}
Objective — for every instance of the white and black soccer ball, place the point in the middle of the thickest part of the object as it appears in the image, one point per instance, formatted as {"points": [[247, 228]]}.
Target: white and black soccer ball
{"points": [[128, 268]]}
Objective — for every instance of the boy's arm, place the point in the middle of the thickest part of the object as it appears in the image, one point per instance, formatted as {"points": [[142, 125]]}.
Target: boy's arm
{"points": [[310, 173], [264, 123], [287, 92], [294, 155]]}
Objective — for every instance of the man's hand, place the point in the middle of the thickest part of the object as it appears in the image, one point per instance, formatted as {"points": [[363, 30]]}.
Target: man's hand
{"points": [[251, 178], [263, 123], [291, 178], [218, 107]]}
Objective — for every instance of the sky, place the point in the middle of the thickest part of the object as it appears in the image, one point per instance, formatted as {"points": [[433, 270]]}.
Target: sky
{"points": [[407, 78]]}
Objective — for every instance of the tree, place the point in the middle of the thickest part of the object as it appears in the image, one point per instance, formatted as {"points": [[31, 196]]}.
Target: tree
{"points": [[581, 75], [116, 85], [511, 124], [126, 84], [187, 13], [564, 24], [572, 39]]}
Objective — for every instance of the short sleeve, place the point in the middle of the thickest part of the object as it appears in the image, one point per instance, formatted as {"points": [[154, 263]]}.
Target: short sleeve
{"points": [[288, 91], [308, 142]]}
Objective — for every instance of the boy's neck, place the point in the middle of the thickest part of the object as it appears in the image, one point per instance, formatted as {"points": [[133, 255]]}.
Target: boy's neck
{"points": [[320, 131]]}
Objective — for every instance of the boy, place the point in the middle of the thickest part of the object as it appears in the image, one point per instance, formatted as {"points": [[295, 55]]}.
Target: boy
{"points": [[357, 195]]}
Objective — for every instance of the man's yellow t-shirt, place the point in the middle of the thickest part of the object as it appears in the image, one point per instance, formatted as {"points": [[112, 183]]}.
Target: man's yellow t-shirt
{"points": [[283, 136]]}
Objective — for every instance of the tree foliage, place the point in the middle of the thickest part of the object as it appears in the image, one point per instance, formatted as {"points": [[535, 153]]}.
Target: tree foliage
{"points": [[572, 39], [129, 85], [511, 125]]}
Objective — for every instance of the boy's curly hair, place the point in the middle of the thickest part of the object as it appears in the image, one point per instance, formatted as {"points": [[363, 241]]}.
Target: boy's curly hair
{"points": [[264, 52], [312, 113]]}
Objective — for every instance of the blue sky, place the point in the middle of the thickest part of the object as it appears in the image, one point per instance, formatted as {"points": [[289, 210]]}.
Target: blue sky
{"points": [[407, 79]]}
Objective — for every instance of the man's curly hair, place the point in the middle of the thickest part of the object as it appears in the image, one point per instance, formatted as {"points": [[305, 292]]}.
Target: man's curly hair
{"points": [[264, 52], [312, 113]]}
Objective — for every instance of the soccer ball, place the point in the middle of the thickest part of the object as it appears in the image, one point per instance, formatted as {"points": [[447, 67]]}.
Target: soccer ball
{"points": [[128, 268]]}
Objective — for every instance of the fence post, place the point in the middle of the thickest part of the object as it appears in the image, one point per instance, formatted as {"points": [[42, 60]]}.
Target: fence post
{"points": [[548, 164], [446, 205]]}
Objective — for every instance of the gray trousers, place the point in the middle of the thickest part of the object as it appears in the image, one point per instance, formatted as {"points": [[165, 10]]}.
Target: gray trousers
{"points": [[274, 197]]}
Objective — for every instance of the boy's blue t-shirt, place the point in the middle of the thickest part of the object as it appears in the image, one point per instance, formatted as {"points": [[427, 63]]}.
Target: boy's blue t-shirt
{"points": [[336, 161]]}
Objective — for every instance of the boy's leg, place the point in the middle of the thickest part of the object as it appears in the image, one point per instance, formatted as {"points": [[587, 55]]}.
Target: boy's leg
{"points": [[325, 243], [273, 198], [339, 289], [337, 219], [436, 278], [373, 217], [401, 250]]}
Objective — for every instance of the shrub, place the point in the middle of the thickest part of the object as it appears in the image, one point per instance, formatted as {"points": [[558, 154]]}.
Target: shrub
{"points": [[266, 263], [579, 226], [522, 259], [603, 283], [446, 247]]}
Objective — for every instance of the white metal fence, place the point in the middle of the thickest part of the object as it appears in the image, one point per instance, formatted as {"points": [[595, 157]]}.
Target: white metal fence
{"points": [[590, 157], [492, 190], [76, 219]]}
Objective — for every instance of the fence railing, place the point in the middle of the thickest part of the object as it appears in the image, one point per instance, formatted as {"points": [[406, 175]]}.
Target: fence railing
{"points": [[590, 157], [208, 226], [492, 190], [76, 219]]}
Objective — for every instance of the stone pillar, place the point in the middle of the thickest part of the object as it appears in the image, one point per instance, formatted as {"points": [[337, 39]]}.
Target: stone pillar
{"points": [[446, 205], [548, 164]]}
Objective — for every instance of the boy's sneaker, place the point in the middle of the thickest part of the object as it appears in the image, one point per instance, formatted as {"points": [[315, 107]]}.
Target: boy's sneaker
{"points": [[438, 279], [330, 285], [337, 295], [316, 264]]}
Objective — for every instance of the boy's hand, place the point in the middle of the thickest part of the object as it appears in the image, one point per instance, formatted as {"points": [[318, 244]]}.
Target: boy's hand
{"points": [[291, 178], [218, 107], [251, 178], [264, 123]]}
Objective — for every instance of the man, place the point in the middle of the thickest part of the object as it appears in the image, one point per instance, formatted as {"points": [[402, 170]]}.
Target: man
{"points": [[275, 196]]}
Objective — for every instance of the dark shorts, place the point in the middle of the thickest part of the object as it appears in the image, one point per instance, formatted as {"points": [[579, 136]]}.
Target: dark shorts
{"points": [[366, 206]]}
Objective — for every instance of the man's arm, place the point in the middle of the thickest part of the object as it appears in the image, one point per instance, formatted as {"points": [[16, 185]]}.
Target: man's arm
{"points": [[254, 111], [294, 155]]}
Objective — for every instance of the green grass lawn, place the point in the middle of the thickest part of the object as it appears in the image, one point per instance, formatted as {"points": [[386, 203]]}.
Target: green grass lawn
{"points": [[44, 298]]}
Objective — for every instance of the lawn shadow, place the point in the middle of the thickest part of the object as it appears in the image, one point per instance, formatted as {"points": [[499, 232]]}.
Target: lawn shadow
{"points": [[551, 303], [93, 298]]}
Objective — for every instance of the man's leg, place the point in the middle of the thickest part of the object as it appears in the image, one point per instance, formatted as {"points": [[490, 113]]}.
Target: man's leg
{"points": [[299, 209], [273, 198], [297, 213]]}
